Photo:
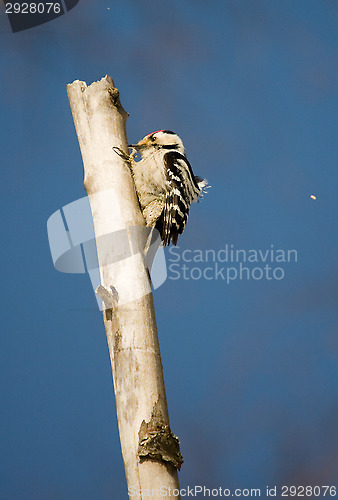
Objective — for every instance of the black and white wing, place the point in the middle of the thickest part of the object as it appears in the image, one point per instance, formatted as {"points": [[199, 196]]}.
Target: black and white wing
{"points": [[182, 188]]}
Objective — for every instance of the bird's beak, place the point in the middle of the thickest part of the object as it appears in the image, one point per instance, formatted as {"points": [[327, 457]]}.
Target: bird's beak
{"points": [[140, 145]]}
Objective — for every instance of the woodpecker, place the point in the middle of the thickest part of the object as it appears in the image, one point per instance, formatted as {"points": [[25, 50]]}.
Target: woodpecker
{"points": [[165, 183]]}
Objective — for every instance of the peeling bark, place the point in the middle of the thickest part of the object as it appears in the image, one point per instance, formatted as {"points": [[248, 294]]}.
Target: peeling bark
{"points": [[157, 441]]}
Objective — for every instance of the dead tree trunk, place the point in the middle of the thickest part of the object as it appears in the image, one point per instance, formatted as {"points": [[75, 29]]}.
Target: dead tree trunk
{"points": [[150, 450]]}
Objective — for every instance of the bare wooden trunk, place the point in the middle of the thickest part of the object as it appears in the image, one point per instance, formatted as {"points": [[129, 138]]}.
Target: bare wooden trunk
{"points": [[150, 451]]}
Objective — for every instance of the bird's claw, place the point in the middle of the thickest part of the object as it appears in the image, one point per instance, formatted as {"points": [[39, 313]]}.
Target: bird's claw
{"points": [[122, 154]]}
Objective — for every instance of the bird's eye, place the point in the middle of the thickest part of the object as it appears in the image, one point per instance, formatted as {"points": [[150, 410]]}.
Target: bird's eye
{"points": [[153, 138]]}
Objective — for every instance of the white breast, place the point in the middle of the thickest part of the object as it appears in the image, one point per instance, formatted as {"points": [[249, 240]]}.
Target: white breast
{"points": [[150, 178]]}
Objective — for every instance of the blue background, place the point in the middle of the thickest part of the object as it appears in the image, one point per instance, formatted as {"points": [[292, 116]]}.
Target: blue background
{"points": [[251, 368]]}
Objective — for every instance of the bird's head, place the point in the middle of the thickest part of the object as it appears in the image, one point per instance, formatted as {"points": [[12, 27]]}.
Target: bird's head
{"points": [[161, 139]]}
